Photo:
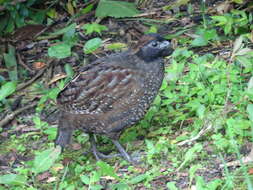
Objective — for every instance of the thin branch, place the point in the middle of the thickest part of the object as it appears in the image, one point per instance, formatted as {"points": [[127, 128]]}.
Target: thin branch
{"points": [[23, 85], [20, 61], [39, 74], [203, 131], [12, 115]]}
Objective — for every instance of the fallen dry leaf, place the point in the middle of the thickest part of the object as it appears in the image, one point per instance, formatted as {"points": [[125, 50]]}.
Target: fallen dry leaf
{"points": [[56, 78], [43, 176], [39, 65], [250, 171]]}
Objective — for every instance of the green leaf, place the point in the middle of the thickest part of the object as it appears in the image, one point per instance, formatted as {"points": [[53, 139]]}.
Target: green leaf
{"points": [[193, 170], [171, 186], [87, 9], [116, 46], [117, 9], [95, 177], [96, 187], [210, 34], [199, 41], [85, 179], [69, 70], [60, 51], [120, 186], [65, 29], [13, 179], [237, 44], [201, 111], [91, 45], [11, 63], [107, 170], [7, 89], [94, 27], [138, 179], [44, 160], [250, 111], [191, 154], [51, 132], [222, 20]]}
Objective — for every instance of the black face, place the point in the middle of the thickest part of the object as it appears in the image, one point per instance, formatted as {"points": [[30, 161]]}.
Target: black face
{"points": [[156, 48]]}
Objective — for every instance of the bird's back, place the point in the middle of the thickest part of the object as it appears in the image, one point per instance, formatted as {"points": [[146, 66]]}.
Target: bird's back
{"points": [[111, 93]]}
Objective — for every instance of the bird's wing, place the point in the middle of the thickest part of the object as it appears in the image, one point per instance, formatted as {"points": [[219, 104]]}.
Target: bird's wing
{"points": [[100, 89]]}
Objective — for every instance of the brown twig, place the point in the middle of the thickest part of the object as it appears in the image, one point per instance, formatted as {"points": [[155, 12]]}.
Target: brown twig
{"points": [[11, 116], [23, 85], [20, 61], [203, 131]]}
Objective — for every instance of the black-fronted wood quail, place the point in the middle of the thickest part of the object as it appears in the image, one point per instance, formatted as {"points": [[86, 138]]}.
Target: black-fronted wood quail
{"points": [[113, 93]]}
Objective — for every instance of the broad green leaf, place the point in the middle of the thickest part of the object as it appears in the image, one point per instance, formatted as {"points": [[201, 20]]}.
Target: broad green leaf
{"points": [[201, 111], [87, 9], [238, 1], [69, 70], [244, 52], [44, 160], [117, 9], [95, 177], [60, 51], [107, 170], [193, 170], [120, 186], [65, 29], [222, 20], [210, 34], [250, 83], [176, 4], [7, 89], [237, 45], [199, 41], [138, 179], [96, 187], [116, 46], [52, 13], [191, 154], [11, 63], [171, 186], [51, 133], [214, 184], [13, 179], [91, 45], [250, 111], [85, 179], [94, 27]]}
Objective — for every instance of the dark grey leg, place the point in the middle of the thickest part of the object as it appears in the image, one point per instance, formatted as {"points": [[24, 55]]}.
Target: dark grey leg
{"points": [[98, 155], [122, 151], [64, 133]]}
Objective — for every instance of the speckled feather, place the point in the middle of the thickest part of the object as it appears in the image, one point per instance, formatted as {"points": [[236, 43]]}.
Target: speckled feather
{"points": [[110, 94]]}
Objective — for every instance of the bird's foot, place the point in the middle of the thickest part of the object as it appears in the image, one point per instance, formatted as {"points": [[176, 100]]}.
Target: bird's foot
{"points": [[99, 155], [124, 154]]}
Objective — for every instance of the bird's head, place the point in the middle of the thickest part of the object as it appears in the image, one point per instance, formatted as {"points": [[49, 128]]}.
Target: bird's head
{"points": [[153, 46]]}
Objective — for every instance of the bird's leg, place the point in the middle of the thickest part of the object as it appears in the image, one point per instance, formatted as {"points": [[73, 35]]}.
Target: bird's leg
{"points": [[64, 133], [122, 151], [98, 155]]}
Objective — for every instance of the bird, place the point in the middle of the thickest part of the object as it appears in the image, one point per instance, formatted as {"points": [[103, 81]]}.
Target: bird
{"points": [[113, 93]]}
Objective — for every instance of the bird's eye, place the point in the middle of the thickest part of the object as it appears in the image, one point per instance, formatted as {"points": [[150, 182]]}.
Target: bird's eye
{"points": [[154, 44]]}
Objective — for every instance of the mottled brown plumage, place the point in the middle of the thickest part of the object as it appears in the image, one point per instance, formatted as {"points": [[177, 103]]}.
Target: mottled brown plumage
{"points": [[113, 92]]}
